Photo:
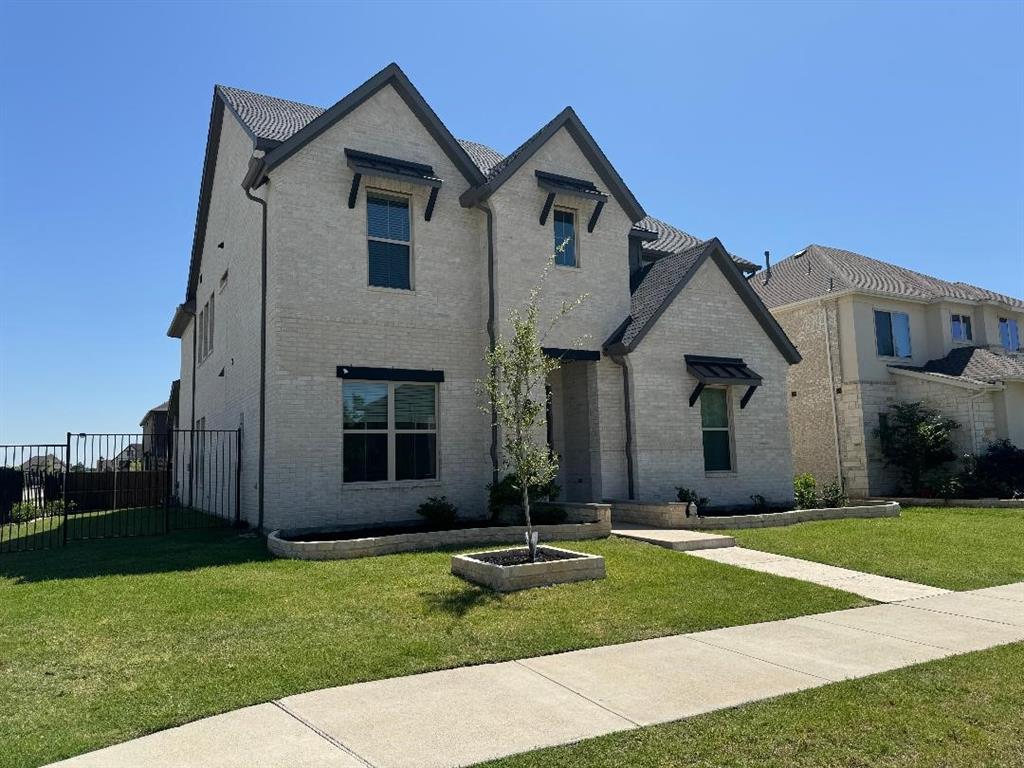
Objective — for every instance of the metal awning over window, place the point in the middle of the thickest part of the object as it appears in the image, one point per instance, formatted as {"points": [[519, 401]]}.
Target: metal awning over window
{"points": [[554, 184], [721, 370], [365, 163]]}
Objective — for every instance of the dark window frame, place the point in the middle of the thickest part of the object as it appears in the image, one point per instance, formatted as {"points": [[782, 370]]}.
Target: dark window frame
{"points": [[892, 338], [963, 322], [727, 429], [574, 240], [373, 193]]}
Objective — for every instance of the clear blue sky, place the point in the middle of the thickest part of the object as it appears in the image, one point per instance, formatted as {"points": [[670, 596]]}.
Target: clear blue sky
{"points": [[896, 130]]}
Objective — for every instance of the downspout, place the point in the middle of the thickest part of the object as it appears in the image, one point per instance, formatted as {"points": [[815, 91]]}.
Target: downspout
{"points": [[491, 330], [255, 172], [626, 396], [832, 393]]}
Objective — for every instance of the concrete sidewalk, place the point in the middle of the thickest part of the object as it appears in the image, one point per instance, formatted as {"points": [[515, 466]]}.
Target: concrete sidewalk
{"points": [[881, 589], [462, 716]]}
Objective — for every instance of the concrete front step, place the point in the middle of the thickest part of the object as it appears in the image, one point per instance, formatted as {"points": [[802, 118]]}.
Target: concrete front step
{"points": [[679, 539]]}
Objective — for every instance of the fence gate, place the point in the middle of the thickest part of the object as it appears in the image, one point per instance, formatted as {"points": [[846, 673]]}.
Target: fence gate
{"points": [[109, 485]]}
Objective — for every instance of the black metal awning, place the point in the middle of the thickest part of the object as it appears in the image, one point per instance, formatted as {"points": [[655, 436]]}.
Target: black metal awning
{"points": [[365, 163], [569, 355], [721, 370], [554, 184]]}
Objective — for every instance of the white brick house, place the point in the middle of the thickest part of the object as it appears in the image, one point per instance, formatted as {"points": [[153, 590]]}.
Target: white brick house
{"points": [[351, 265], [871, 334]]}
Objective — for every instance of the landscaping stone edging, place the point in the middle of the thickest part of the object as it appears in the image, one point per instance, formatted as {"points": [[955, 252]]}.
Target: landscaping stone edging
{"points": [[910, 501], [511, 578], [583, 521], [673, 515]]}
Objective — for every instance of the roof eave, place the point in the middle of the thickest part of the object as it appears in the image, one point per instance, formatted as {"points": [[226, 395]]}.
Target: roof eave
{"points": [[183, 313]]}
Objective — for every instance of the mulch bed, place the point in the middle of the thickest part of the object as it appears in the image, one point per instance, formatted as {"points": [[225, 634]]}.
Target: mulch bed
{"points": [[506, 557]]}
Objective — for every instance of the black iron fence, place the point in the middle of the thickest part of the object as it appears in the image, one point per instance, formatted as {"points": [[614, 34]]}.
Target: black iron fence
{"points": [[111, 485]]}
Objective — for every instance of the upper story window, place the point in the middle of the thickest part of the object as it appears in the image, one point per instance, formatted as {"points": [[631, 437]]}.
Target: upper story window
{"points": [[1009, 335], [716, 429], [892, 333], [389, 238], [565, 237], [960, 326], [204, 329], [389, 431]]}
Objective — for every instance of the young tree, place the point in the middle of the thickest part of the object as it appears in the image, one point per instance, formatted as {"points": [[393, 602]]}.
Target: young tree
{"points": [[916, 439], [517, 397]]}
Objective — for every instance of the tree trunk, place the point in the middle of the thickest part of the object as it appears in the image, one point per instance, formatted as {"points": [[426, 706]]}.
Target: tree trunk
{"points": [[529, 525]]}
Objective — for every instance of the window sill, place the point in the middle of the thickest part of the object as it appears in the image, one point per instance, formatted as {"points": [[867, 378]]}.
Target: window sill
{"points": [[712, 473], [391, 485], [566, 267], [398, 291], [895, 358]]}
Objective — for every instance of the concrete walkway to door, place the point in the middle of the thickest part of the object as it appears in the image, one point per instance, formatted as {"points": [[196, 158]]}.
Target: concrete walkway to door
{"points": [[462, 716]]}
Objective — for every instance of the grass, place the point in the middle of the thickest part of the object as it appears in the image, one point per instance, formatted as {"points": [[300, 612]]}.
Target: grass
{"points": [[107, 640], [953, 548], [957, 712]]}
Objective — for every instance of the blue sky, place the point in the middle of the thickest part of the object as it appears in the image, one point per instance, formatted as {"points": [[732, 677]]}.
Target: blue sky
{"points": [[896, 130]]}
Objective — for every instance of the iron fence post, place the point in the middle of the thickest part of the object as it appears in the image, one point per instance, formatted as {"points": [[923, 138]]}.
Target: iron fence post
{"points": [[64, 491], [238, 476], [169, 458]]}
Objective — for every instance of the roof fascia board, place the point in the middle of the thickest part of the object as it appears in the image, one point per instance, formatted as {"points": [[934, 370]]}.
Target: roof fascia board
{"points": [[953, 381], [569, 120], [391, 75]]}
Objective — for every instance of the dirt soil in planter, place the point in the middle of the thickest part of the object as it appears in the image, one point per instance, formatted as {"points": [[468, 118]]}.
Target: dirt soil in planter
{"points": [[507, 557]]}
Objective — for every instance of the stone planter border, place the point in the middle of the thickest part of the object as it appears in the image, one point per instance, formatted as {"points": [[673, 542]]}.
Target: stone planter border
{"points": [[669, 514], [511, 578], [674, 515], [909, 501], [583, 521]]}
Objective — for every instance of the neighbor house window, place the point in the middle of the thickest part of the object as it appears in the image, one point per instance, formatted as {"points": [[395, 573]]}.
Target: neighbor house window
{"points": [[390, 431], [892, 334], [204, 330], [961, 327], [1009, 336], [565, 238], [389, 237], [714, 421]]}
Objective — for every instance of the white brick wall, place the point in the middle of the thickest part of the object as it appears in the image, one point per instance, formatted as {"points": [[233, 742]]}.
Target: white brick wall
{"points": [[709, 318]]}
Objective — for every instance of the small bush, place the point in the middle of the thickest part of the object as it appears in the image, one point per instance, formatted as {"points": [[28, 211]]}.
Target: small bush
{"points": [[805, 490], [438, 511], [832, 495], [690, 496], [24, 511], [506, 493], [547, 514], [998, 472], [939, 483], [759, 502]]}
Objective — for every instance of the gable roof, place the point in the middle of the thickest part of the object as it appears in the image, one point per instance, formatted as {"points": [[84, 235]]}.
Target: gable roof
{"points": [[670, 240], [819, 270], [662, 281], [974, 365], [568, 119]]}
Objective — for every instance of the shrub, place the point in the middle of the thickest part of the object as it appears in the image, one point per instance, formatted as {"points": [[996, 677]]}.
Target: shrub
{"points": [[689, 496], [438, 511], [940, 483], [916, 439], [549, 514], [505, 493], [805, 490], [999, 472], [759, 502], [24, 511], [832, 495]]}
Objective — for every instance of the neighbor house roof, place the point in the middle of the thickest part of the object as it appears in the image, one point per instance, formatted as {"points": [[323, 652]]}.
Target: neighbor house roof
{"points": [[662, 280], [162, 408], [819, 271], [975, 365]]}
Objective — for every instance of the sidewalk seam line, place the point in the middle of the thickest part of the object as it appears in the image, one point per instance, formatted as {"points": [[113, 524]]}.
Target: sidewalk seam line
{"points": [[321, 733], [961, 615], [886, 634], [577, 693], [827, 680]]}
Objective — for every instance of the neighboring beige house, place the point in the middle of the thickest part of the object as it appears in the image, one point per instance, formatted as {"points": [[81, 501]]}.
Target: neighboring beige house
{"points": [[351, 265], [872, 333]]}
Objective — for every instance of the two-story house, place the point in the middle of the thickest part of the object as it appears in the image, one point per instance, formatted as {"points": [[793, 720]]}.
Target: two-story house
{"points": [[872, 333], [351, 265]]}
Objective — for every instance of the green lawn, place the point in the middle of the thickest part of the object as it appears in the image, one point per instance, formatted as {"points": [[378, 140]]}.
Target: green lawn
{"points": [[963, 711], [954, 548], [104, 641]]}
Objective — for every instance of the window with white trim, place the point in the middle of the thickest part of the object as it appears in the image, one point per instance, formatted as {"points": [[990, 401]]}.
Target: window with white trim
{"points": [[389, 431], [892, 333], [960, 327], [389, 241], [716, 429]]}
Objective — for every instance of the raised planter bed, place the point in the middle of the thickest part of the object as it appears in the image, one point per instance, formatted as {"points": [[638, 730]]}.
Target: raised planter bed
{"points": [[679, 515], [909, 501], [509, 570], [582, 521]]}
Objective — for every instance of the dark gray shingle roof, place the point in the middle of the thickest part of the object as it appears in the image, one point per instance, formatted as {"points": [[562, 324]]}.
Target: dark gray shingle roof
{"points": [[674, 240], [819, 270], [267, 116], [976, 364]]}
